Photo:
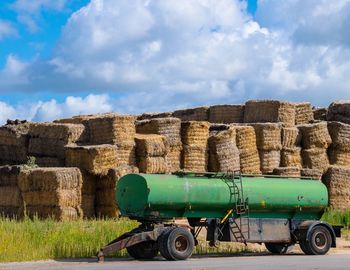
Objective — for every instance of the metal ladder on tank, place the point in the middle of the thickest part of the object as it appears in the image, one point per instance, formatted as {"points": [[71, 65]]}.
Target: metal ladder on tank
{"points": [[241, 228]]}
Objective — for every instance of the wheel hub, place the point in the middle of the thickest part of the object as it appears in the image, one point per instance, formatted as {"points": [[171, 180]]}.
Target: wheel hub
{"points": [[181, 243], [320, 240]]}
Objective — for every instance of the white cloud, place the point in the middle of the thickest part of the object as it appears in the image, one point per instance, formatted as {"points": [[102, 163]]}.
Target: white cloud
{"points": [[7, 30]]}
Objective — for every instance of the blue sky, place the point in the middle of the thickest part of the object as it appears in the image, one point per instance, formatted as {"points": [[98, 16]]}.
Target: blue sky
{"points": [[64, 57]]}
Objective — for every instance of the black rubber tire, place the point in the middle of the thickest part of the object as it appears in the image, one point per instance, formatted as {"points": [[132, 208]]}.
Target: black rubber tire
{"points": [[318, 243], [143, 251], [279, 248], [177, 244], [162, 243]]}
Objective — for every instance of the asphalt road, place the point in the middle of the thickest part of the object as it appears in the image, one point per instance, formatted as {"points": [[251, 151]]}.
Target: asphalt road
{"points": [[338, 261]]}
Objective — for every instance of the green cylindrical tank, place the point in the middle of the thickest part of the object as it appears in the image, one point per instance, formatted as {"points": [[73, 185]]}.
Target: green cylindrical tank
{"points": [[146, 196]]}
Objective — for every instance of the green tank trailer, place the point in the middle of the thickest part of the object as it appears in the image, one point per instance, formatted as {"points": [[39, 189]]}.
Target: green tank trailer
{"points": [[277, 211]]}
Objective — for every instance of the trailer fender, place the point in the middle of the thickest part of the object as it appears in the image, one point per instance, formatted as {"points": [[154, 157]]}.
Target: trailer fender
{"points": [[310, 224]]}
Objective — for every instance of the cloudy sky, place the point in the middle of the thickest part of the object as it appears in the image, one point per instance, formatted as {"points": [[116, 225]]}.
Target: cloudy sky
{"points": [[65, 57]]}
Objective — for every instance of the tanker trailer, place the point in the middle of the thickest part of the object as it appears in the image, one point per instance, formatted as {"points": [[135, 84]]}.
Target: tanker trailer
{"points": [[277, 211]]}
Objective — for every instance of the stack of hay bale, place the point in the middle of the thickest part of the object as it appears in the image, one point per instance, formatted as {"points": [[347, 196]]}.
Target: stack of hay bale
{"points": [[52, 192], [248, 152], [11, 203], [268, 141], [291, 147], [226, 114], [170, 128], [151, 151], [274, 111], [48, 140], [339, 111], [88, 194], [303, 113], [193, 114], [223, 151], [194, 136], [320, 114], [339, 152], [146, 116], [14, 143], [315, 141]]}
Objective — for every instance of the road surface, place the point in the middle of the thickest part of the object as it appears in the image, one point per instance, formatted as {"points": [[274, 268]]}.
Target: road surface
{"points": [[337, 261]]}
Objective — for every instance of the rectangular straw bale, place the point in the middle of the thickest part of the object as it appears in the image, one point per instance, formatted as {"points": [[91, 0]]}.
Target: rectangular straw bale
{"points": [[88, 192], [291, 137], [287, 171], [315, 158], [339, 157], [268, 136], [193, 114], [146, 116], [112, 129], [291, 157], [340, 134], [9, 176], [126, 153], [269, 111], [173, 158], [169, 127], [320, 114], [195, 133], [49, 162], [223, 152], [151, 145], [269, 160], [152, 164], [46, 147], [55, 212], [77, 119], [339, 111], [311, 173], [245, 138], [249, 161], [303, 113], [337, 181], [315, 135], [229, 113], [194, 158], [63, 198], [96, 159], [10, 196], [106, 211]]}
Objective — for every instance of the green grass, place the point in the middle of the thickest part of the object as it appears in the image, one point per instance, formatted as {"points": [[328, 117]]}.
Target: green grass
{"points": [[337, 218]]}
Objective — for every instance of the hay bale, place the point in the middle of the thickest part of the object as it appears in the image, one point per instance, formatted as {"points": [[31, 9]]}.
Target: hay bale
{"points": [[54, 192], [315, 135], [269, 160], [249, 161], [303, 113], [96, 159], [195, 133], [223, 152], [193, 114], [269, 111], [245, 138], [230, 113], [340, 134], [194, 158], [77, 119], [291, 137], [88, 191], [337, 181], [320, 114], [315, 158], [169, 127], [311, 173], [49, 162], [339, 157], [173, 158], [287, 171], [126, 153], [151, 145], [46, 147], [146, 116], [112, 129], [152, 164], [268, 136], [339, 111], [291, 157], [217, 128]]}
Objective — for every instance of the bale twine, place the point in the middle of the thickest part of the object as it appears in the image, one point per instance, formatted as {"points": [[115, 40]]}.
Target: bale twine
{"points": [[96, 159], [151, 145], [339, 111], [194, 158], [230, 113], [320, 114], [287, 171], [337, 181], [169, 127], [291, 157], [291, 137], [195, 133], [303, 113], [269, 160], [268, 136], [339, 157], [269, 111], [315, 135], [146, 116], [193, 114], [315, 158], [311, 173], [223, 152], [112, 129], [340, 134]]}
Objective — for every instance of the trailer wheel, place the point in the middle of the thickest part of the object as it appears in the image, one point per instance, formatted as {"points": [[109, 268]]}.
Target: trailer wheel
{"points": [[318, 243], [279, 248], [163, 242], [144, 250], [176, 244]]}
